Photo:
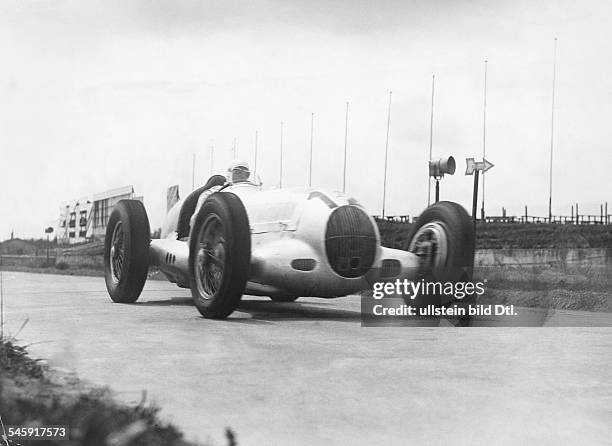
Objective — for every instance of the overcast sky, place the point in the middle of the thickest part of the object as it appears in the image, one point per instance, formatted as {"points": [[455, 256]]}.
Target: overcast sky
{"points": [[96, 95]]}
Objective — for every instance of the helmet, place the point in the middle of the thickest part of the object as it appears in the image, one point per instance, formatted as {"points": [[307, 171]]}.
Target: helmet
{"points": [[238, 172]]}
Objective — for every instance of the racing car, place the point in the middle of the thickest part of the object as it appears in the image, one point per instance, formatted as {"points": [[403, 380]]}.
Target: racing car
{"points": [[283, 243]]}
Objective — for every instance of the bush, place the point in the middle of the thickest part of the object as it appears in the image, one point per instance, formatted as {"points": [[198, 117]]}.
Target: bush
{"points": [[61, 265]]}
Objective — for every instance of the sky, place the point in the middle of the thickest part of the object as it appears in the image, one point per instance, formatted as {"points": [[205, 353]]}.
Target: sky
{"points": [[96, 95]]}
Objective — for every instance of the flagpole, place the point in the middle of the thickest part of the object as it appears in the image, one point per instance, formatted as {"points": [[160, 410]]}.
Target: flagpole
{"points": [[280, 181], [433, 84], [212, 154], [484, 139], [193, 172], [345, 144], [552, 128], [255, 163], [2, 301], [386, 156], [310, 162]]}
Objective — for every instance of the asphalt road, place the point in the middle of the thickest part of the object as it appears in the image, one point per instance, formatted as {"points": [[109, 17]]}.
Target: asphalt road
{"points": [[308, 373]]}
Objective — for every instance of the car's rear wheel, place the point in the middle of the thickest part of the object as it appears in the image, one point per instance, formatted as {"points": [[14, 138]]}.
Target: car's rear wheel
{"points": [[126, 251], [219, 255], [443, 238]]}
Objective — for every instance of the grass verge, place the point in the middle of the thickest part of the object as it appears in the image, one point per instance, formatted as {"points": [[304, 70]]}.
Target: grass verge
{"points": [[33, 395], [514, 235]]}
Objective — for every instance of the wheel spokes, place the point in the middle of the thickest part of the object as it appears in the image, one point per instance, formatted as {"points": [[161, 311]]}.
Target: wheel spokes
{"points": [[117, 252], [210, 264], [430, 244]]}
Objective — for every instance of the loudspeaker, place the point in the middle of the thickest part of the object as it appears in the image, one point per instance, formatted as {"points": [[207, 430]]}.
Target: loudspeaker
{"points": [[439, 167]]}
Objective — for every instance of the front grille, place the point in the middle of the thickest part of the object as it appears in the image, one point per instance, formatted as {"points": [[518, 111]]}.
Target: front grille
{"points": [[350, 241]]}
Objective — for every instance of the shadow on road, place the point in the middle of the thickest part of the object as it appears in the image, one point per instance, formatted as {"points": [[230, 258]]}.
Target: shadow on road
{"points": [[277, 311], [267, 310], [173, 301]]}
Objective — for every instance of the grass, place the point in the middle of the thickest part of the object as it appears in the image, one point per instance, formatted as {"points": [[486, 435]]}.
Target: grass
{"points": [[62, 270], [514, 235], [572, 287], [30, 394], [553, 298]]}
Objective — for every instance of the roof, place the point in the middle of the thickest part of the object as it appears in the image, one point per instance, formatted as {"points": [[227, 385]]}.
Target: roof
{"points": [[125, 190]]}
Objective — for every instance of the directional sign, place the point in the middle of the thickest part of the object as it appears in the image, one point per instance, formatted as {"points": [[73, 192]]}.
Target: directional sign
{"points": [[472, 165]]}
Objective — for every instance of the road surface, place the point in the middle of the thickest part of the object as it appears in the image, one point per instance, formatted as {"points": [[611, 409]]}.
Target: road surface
{"points": [[307, 373]]}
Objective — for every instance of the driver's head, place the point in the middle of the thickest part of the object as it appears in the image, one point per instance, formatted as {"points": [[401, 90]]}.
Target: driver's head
{"points": [[238, 172]]}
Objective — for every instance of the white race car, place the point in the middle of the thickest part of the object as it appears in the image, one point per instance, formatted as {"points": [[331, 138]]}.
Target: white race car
{"points": [[281, 243]]}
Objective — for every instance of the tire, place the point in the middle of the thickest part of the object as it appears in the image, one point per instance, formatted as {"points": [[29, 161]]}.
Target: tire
{"points": [[284, 298], [126, 251], [219, 255], [449, 230]]}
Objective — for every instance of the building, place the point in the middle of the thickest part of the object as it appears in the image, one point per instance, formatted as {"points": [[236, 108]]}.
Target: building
{"points": [[74, 221], [85, 219], [103, 205]]}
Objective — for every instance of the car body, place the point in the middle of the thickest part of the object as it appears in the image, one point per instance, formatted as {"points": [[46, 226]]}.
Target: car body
{"points": [[293, 252], [298, 242]]}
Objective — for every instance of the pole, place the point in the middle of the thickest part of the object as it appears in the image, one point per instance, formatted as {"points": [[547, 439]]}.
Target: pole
{"points": [[552, 128], [386, 156], [437, 190], [310, 162], [255, 163], [280, 181], [345, 144], [484, 138], [475, 198], [433, 84], [193, 172], [47, 249], [577, 215], [1, 303], [212, 154]]}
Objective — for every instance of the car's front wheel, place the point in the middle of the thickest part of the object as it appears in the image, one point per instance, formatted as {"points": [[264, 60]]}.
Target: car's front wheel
{"points": [[219, 255], [443, 238]]}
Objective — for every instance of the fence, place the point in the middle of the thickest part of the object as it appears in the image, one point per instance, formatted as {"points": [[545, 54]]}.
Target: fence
{"points": [[556, 219]]}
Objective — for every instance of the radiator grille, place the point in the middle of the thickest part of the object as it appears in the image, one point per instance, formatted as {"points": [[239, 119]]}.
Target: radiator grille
{"points": [[350, 241]]}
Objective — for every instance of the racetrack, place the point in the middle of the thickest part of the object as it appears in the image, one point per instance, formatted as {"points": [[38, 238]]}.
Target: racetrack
{"points": [[308, 373]]}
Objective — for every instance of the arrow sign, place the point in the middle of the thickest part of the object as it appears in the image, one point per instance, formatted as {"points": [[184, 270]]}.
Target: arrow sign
{"points": [[472, 166]]}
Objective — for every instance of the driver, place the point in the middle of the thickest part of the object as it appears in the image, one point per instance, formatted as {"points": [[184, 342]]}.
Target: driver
{"points": [[237, 172]]}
